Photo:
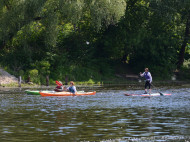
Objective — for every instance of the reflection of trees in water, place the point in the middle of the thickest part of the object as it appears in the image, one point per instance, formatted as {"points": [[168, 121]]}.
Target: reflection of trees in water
{"points": [[107, 123], [63, 123]]}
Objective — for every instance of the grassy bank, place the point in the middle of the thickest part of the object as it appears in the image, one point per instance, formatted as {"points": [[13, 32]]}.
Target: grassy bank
{"points": [[116, 82], [123, 76]]}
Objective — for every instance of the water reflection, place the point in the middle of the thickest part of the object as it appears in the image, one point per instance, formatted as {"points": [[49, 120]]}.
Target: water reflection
{"points": [[107, 116]]}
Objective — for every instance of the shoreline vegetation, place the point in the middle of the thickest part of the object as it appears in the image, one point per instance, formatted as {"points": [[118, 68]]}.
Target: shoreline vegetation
{"points": [[130, 81], [111, 86]]}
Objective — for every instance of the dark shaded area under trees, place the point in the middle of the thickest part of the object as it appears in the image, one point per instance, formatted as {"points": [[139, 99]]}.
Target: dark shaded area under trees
{"points": [[83, 40]]}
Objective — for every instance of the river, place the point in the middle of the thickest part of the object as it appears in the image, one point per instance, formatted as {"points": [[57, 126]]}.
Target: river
{"points": [[108, 116]]}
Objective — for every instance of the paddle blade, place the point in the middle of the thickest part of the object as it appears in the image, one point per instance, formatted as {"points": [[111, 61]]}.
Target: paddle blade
{"points": [[58, 83], [161, 94]]}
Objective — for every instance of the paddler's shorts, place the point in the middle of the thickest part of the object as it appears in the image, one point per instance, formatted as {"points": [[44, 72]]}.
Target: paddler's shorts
{"points": [[147, 84]]}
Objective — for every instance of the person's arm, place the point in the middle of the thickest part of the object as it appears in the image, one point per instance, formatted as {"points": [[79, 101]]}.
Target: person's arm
{"points": [[67, 89], [149, 74], [142, 74], [74, 88]]}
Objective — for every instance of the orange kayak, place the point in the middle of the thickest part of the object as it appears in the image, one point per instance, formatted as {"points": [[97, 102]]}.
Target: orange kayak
{"points": [[45, 94]]}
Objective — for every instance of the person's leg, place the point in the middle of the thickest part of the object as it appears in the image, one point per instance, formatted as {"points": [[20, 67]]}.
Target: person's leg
{"points": [[146, 85], [149, 88]]}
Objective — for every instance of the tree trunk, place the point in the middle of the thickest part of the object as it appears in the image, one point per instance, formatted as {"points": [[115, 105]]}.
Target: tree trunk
{"points": [[29, 78], [47, 80], [66, 80], [184, 44], [19, 81], [124, 58]]}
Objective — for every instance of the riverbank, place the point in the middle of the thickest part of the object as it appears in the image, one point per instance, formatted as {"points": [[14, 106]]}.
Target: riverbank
{"points": [[132, 85], [6, 78], [127, 80]]}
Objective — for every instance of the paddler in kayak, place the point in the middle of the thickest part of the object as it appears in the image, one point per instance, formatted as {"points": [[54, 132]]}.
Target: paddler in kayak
{"points": [[59, 87], [72, 88], [148, 77]]}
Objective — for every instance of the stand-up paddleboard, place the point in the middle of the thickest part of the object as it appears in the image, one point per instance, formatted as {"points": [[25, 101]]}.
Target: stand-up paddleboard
{"points": [[153, 94]]}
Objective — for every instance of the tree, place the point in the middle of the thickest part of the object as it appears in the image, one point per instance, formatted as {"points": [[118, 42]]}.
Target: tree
{"points": [[179, 13], [186, 38], [30, 28]]}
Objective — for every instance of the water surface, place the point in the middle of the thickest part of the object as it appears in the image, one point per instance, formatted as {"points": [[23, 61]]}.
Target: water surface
{"points": [[107, 116]]}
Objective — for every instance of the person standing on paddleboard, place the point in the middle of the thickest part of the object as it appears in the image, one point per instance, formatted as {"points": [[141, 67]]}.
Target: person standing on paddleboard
{"points": [[148, 77]]}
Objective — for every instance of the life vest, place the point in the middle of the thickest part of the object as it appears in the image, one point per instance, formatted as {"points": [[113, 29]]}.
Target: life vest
{"points": [[146, 76], [59, 83], [71, 89], [59, 87]]}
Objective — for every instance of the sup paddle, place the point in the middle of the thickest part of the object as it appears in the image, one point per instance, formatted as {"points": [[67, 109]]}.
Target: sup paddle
{"points": [[161, 94]]}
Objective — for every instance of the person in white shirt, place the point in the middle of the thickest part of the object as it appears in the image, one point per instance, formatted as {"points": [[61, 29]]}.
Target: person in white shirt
{"points": [[72, 88], [148, 77]]}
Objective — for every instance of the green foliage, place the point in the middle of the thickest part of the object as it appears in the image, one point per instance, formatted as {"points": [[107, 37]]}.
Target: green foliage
{"points": [[43, 68], [10, 85], [86, 40], [21, 73], [52, 82], [184, 74], [89, 82], [34, 76], [77, 73], [106, 12], [85, 73]]}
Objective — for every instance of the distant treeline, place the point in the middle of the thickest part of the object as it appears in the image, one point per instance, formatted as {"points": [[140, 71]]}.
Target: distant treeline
{"points": [[89, 39]]}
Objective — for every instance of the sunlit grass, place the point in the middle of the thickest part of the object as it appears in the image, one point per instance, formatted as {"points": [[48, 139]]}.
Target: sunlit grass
{"points": [[17, 85]]}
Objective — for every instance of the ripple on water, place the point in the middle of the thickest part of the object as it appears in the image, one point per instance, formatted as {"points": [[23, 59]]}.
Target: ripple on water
{"points": [[107, 115]]}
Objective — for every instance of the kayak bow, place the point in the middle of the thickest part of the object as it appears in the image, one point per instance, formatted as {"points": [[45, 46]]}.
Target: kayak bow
{"points": [[32, 92], [28, 92]]}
